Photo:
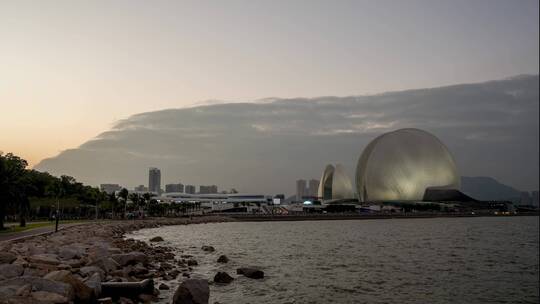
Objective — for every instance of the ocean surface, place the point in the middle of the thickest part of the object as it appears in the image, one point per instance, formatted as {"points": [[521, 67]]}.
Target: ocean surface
{"points": [[438, 260]]}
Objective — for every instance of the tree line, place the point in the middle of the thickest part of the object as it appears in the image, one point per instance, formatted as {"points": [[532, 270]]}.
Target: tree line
{"points": [[20, 185]]}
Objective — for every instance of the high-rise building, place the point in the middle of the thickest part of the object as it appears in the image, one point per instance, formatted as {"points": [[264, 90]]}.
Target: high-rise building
{"points": [[110, 188], [174, 188], [154, 180], [190, 189], [535, 199], [208, 189], [313, 187], [300, 189]]}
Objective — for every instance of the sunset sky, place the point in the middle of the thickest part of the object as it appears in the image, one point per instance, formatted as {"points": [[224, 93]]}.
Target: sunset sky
{"points": [[70, 69]]}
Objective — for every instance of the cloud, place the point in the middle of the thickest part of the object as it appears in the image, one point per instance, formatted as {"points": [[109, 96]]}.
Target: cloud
{"points": [[264, 146]]}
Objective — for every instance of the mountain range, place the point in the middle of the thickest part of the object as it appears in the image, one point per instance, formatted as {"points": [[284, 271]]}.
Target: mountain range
{"points": [[486, 188]]}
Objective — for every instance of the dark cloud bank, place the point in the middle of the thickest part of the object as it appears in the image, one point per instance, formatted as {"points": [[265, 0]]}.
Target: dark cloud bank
{"points": [[491, 129]]}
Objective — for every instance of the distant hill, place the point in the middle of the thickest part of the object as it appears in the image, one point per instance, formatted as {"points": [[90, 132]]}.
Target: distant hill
{"points": [[487, 188]]}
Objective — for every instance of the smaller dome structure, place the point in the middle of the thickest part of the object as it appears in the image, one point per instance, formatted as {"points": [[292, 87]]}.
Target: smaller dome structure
{"points": [[335, 184]]}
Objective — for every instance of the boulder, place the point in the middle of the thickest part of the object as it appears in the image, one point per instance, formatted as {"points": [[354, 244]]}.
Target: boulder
{"points": [[25, 290], [20, 261], [42, 284], [163, 286], [90, 270], [208, 248], [157, 239], [7, 257], [130, 258], [106, 264], [75, 263], [83, 293], [138, 269], [70, 252], [115, 250], [63, 267], [251, 273], [49, 297], [223, 278], [192, 291], [223, 259], [34, 272], [173, 273], [44, 258], [94, 283], [8, 271], [98, 251], [192, 262], [7, 291]]}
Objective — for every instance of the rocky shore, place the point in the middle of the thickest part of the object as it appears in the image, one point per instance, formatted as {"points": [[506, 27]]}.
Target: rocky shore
{"points": [[94, 263]]}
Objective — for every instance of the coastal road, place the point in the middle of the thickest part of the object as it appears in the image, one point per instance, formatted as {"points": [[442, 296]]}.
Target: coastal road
{"points": [[33, 232]]}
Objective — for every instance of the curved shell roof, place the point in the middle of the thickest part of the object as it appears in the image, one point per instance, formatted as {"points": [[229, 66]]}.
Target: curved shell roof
{"points": [[335, 184], [400, 165]]}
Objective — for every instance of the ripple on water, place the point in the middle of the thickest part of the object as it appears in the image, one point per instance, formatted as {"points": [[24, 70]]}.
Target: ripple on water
{"points": [[468, 260]]}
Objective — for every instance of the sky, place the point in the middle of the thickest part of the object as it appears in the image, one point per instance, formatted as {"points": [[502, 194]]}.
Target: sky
{"points": [[71, 69]]}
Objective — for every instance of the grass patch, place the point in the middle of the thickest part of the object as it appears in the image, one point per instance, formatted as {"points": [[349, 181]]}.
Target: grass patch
{"points": [[16, 228], [30, 225]]}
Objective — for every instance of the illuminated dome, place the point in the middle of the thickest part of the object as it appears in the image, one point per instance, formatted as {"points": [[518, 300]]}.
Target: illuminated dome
{"points": [[335, 184], [402, 164]]}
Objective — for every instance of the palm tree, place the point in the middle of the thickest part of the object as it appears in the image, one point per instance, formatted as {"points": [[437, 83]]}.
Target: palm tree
{"points": [[57, 190], [134, 198], [114, 202], [146, 200], [123, 194]]}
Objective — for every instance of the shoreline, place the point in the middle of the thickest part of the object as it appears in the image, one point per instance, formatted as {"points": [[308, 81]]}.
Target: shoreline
{"points": [[78, 262], [331, 217]]}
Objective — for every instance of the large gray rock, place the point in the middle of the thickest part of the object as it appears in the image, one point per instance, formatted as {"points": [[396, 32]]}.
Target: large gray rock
{"points": [[156, 239], [94, 283], [70, 252], [7, 291], [44, 258], [208, 248], [7, 257], [130, 258], [90, 270], [8, 271], [41, 284], [25, 290], [223, 278], [223, 259], [97, 252], [192, 291], [49, 297], [251, 273], [106, 264], [83, 293]]}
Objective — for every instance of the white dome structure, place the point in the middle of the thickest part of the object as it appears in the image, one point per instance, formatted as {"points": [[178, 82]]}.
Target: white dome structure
{"points": [[402, 164], [335, 184]]}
